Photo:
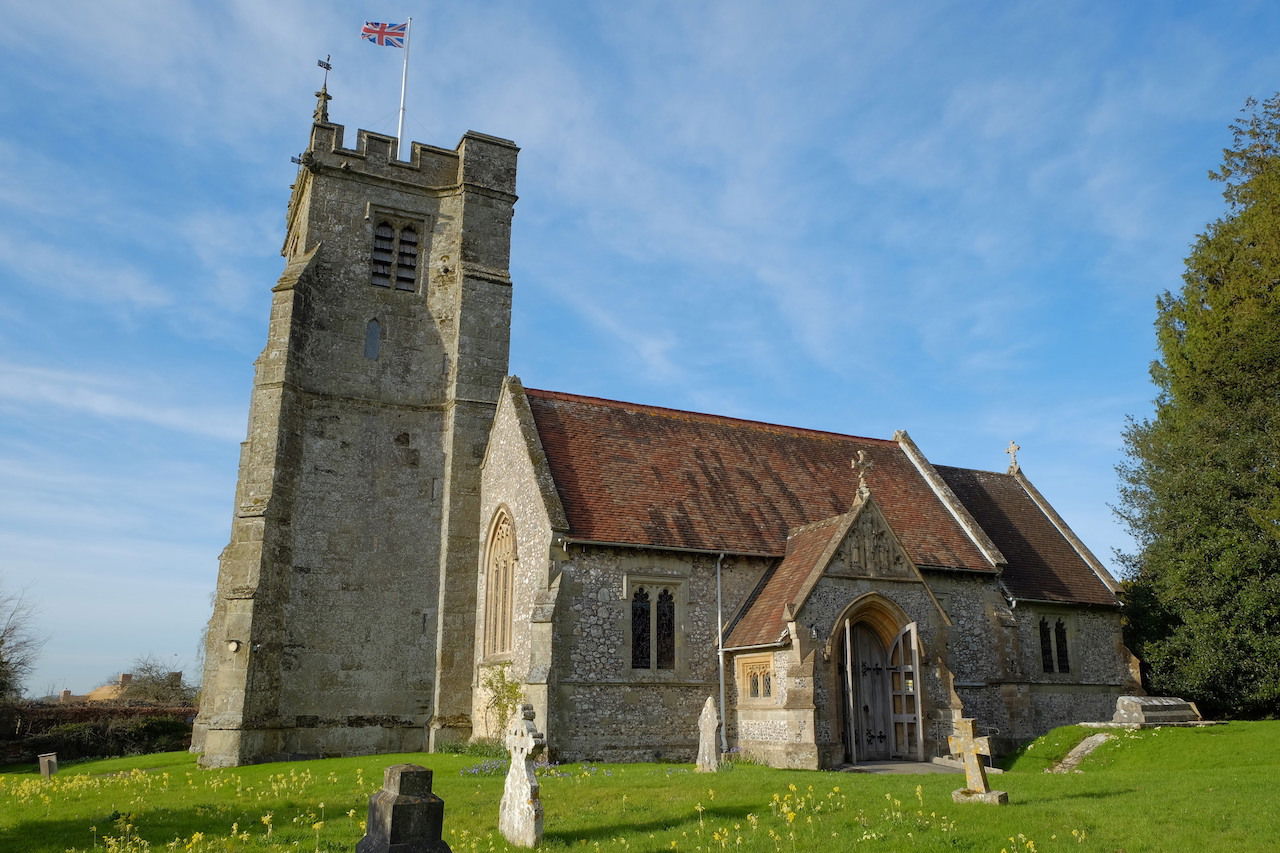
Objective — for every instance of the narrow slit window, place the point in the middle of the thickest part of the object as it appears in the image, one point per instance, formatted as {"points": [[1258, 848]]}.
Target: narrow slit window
{"points": [[1060, 640], [1046, 646], [372, 340], [640, 610], [665, 631]]}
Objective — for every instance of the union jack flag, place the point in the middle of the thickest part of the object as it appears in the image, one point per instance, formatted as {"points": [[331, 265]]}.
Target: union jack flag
{"points": [[384, 35]]}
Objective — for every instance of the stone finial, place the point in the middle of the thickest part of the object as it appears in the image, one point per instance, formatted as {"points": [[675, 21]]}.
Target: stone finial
{"points": [[1012, 450], [404, 817], [862, 464], [520, 814], [323, 98], [708, 753], [970, 749]]}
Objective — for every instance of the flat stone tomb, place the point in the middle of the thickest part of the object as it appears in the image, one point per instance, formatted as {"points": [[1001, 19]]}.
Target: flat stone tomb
{"points": [[404, 817], [708, 752], [1148, 710], [971, 748], [520, 814]]}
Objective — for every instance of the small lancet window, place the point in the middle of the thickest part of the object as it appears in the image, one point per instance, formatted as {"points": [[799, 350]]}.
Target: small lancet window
{"points": [[653, 629], [640, 629], [407, 261], [383, 248], [499, 586], [1046, 646], [372, 340], [1060, 640]]}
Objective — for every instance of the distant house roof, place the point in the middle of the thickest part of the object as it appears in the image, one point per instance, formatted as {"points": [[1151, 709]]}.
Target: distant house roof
{"points": [[640, 475], [644, 475]]}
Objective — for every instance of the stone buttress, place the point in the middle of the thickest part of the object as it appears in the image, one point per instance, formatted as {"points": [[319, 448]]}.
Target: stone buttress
{"points": [[343, 617]]}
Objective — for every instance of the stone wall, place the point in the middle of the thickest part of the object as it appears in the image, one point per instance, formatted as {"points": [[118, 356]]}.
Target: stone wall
{"points": [[602, 709], [343, 616]]}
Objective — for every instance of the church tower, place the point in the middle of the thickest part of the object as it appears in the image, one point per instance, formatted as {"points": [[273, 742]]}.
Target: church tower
{"points": [[343, 621]]}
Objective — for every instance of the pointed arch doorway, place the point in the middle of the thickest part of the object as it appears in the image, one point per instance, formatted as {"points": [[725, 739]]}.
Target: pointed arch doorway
{"points": [[877, 657]]}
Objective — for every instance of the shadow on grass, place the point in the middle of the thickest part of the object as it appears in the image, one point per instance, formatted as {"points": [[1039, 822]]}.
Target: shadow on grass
{"points": [[641, 828]]}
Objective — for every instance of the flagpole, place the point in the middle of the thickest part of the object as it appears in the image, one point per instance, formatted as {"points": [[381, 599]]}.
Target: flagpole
{"points": [[404, 84]]}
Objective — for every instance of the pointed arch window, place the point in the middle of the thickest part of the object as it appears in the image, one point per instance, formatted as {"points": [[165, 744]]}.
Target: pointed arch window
{"points": [[653, 627], [500, 568], [1054, 655]]}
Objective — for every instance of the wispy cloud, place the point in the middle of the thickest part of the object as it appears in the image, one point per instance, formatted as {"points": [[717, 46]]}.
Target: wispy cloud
{"points": [[114, 398]]}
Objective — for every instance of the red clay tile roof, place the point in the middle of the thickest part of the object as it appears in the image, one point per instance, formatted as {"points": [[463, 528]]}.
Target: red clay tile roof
{"points": [[1042, 564], [645, 475], [762, 616]]}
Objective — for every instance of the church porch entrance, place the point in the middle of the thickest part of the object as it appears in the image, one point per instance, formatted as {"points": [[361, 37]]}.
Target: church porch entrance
{"points": [[877, 665]]}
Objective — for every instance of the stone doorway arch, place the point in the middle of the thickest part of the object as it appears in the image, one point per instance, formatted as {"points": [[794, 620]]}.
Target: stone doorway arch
{"points": [[876, 651]]}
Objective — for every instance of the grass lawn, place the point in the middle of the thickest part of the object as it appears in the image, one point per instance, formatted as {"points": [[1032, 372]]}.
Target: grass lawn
{"points": [[1162, 789]]}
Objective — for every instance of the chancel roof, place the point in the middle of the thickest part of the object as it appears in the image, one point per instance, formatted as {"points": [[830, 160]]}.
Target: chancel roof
{"points": [[645, 475], [1042, 564]]}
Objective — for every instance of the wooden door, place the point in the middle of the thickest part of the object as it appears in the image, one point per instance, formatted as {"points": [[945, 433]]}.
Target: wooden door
{"points": [[872, 724], [904, 691]]}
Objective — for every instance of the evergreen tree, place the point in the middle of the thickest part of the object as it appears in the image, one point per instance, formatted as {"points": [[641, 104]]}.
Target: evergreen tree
{"points": [[1201, 489]]}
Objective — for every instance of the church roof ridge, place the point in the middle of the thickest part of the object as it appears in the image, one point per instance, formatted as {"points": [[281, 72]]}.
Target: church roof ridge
{"points": [[705, 417]]}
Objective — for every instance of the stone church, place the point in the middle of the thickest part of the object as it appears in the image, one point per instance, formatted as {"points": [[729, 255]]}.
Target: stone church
{"points": [[416, 535]]}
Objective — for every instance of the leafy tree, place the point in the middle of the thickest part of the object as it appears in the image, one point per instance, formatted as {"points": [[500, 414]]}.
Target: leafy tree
{"points": [[1201, 488], [152, 682], [19, 644]]}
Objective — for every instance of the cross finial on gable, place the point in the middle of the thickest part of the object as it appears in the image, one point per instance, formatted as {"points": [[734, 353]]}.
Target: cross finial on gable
{"points": [[862, 464], [1012, 450]]}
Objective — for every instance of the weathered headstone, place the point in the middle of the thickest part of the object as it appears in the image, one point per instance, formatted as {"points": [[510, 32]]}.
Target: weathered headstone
{"points": [[971, 749], [404, 817], [708, 753], [1155, 710], [520, 814], [48, 764]]}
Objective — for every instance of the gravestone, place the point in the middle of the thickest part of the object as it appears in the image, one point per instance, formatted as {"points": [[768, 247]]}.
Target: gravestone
{"points": [[1155, 710], [404, 817], [971, 749], [48, 764], [708, 753], [520, 814]]}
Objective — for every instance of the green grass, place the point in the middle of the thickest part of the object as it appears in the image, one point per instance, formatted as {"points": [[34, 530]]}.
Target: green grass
{"points": [[1164, 789]]}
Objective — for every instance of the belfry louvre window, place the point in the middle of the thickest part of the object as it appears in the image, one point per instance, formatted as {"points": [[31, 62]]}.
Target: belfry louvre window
{"points": [[653, 627], [500, 569], [1054, 656], [394, 260]]}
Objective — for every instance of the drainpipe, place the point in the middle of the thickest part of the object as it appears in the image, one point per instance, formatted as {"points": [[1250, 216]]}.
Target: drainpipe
{"points": [[724, 738]]}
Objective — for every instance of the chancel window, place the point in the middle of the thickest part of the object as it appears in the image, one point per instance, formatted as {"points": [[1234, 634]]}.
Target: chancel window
{"points": [[394, 259], [500, 568], [758, 678], [1054, 656], [653, 627]]}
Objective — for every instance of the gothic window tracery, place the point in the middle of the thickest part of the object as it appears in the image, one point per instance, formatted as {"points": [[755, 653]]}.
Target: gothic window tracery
{"points": [[500, 566], [653, 627]]}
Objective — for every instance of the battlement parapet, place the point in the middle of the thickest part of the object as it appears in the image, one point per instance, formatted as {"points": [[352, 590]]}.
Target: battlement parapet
{"points": [[479, 160]]}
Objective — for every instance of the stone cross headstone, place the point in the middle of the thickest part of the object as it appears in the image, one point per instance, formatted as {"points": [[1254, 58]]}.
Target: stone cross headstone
{"points": [[708, 752], [48, 764], [520, 815], [404, 817], [970, 749]]}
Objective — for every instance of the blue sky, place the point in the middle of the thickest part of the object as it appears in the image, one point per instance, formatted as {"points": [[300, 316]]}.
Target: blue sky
{"points": [[946, 217]]}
